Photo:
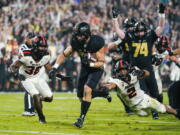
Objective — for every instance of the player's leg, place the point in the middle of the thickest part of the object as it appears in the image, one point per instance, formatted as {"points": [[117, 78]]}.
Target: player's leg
{"points": [[28, 105], [29, 85], [159, 84], [153, 89], [174, 95], [44, 90], [80, 90], [93, 79]]}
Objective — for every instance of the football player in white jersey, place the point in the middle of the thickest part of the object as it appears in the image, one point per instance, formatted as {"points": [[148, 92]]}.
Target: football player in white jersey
{"points": [[28, 100], [162, 51], [126, 83], [30, 65]]}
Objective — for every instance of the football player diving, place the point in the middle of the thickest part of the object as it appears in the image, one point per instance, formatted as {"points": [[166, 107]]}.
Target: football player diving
{"points": [[126, 84]]}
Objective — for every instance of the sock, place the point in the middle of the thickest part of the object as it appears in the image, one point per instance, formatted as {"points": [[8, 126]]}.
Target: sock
{"points": [[84, 108]]}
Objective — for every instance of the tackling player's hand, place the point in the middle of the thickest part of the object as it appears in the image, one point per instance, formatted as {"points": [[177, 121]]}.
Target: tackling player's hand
{"points": [[161, 8], [52, 73], [139, 73], [115, 12], [169, 51], [156, 61]]}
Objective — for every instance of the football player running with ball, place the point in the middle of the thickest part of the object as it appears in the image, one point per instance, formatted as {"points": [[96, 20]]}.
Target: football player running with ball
{"points": [[126, 84], [29, 68], [92, 53]]}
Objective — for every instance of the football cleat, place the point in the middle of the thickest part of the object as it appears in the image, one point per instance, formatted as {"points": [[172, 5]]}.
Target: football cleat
{"points": [[26, 113], [178, 113], [109, 98], [155, 115], [79, 123], [42, 120]]}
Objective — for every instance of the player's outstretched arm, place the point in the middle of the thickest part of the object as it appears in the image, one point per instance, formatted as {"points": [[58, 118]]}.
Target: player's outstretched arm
{"points": [[159, 29], [113, 45], [109, 85], [176, 51], [120, 32], [60, 59]]}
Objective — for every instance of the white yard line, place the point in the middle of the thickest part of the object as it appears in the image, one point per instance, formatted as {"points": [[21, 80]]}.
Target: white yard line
{"points": [[34, 132]]}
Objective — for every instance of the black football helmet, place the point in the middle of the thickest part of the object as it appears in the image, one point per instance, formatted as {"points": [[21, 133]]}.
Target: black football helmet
{"points": [[39, 45], [121, 64], [83, 30], [162, 44], [140, 27], [129, 22]]}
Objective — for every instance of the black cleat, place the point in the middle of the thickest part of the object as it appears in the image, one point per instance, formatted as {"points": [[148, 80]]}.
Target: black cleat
{"points": [[155, 115], [109, 98], [178, 113], [79, 123], [42, 120]]}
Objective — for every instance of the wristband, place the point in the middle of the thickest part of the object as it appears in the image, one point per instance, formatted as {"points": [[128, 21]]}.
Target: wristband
{"points": [[56, 66], [91, 64]]}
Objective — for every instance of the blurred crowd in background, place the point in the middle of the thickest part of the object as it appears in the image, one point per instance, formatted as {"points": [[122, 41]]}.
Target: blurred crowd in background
{"points": [[56, 18]]}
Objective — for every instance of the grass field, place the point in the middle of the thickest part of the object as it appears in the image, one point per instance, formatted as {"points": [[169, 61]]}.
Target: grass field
{"points": [[103, 118]]}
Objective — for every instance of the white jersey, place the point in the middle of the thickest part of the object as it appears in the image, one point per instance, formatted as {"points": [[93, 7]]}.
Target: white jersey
{"points": [[30, 67], [129, 92]]}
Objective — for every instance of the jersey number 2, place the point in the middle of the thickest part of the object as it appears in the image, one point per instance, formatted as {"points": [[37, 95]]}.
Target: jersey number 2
{"points": [[131, 92], [141, 48]]}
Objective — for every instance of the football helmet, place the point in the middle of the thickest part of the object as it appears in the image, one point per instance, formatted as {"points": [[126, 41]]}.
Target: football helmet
{"points": [[121, 65], [162, 44], [39, 45], [140, 27], [129, 22], [82, 31]]}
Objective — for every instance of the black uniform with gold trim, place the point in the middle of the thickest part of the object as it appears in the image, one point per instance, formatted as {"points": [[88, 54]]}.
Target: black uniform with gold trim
{"points": [[141, 56], [88, 75]]}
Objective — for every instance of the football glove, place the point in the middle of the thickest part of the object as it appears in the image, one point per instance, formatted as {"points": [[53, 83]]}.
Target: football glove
{"points": [[161, 8], [63, 77], [156, 61], [52, 73], [115, 12], [139, 73], [19, 76]]}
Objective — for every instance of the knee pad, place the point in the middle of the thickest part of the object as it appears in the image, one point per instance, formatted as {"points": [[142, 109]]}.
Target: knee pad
{"points": [[48, 99]]}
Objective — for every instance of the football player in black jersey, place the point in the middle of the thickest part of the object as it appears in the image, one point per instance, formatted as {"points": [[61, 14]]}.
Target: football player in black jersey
{"points": [[140, 43], [91, 51]]}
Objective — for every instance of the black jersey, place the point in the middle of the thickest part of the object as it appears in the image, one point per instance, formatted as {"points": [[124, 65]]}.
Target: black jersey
{"points": [[95, 44], [140, 49]]}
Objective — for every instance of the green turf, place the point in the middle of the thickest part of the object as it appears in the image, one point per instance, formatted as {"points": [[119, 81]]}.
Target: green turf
{"points": [[103, 118]]}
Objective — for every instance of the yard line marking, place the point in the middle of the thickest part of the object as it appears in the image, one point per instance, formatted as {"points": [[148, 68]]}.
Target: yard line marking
{"points": [[34, 132]]}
